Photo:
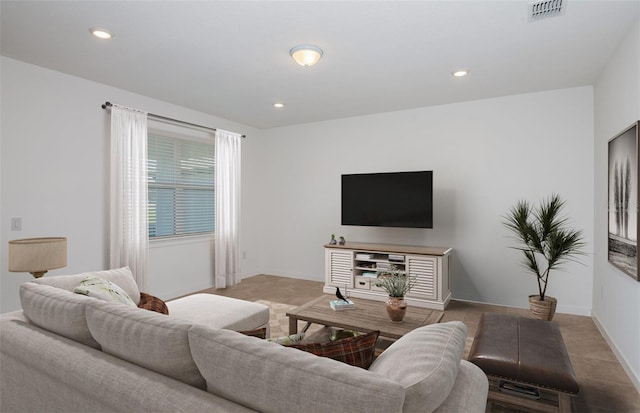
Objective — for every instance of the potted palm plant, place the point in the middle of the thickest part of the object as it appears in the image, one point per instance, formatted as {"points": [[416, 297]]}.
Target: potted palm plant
{"points": [[547, 242], [396, 283]]}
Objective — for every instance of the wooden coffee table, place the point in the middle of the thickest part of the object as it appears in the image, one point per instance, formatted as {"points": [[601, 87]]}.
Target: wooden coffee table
{"points": [[368, 316]]}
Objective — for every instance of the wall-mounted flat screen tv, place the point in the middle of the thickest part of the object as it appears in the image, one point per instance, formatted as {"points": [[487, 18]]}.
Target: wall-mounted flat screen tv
{"points": [[391, 199]]}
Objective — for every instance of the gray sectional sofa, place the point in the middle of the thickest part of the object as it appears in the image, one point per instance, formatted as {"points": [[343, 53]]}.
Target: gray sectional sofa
{"points": [[66, 352]]}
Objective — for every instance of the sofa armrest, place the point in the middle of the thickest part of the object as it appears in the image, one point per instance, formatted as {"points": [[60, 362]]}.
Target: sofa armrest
{"points": [[425, 362], [469, 393]]}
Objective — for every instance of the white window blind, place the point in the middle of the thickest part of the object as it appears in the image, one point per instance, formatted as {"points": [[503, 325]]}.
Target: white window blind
{"points": [[181, 186]]}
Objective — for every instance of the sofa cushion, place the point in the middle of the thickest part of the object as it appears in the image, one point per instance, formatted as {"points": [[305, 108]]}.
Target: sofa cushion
{"points": [[357, 351], [220, 312], [121, 277], [101, 289], [424, 361], [153, 303], [57, 310], [268, 377], [146, 338]]}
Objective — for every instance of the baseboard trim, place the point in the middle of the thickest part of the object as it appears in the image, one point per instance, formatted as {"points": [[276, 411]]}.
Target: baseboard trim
{"points": [[561, 309], [621, 359]]}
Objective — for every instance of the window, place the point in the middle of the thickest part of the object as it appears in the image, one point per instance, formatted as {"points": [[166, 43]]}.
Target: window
{"points": [[181, 188]]}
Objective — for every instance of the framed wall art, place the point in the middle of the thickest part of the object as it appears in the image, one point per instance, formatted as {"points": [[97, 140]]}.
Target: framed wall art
{"points": [[623, 201]]}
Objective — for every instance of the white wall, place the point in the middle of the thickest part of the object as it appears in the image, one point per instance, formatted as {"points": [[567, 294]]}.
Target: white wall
{"points": [[54, 171], [616, 296], [485, 155]]}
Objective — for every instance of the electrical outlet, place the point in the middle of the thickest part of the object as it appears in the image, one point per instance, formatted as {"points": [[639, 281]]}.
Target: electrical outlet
{"points": [[16, 224]]}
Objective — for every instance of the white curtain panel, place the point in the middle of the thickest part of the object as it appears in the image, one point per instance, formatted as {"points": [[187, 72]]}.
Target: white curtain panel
{"points": [[227, 231], [129, 223]]}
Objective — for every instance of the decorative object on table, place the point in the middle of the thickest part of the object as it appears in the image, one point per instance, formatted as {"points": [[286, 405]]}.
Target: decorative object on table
{"points": [[396, 283], [333, 240], [342, 303], [624, 216], [339, 294], [341, 240], [337, 334], [396, 308], [547, 242], [37, 255]]}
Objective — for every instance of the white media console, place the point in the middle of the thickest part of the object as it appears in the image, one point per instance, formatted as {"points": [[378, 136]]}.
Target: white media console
{"points": [[356, 264]]}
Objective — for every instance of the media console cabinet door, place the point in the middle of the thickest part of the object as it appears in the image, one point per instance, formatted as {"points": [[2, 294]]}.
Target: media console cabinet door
{"points": [[425, 269], [339, 267]]}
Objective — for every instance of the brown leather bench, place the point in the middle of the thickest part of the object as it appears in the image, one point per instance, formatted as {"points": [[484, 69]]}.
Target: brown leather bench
{"points": [[526, 361]]}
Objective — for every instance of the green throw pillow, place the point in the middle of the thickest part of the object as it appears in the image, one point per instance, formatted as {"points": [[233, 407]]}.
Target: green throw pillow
{"points": [[101, 289], [288, 340]]}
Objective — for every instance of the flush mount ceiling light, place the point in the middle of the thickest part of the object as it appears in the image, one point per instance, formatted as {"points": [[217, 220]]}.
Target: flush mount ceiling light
{"points": [[278, 105], [101, 33], [460, 73], [306, 55]]}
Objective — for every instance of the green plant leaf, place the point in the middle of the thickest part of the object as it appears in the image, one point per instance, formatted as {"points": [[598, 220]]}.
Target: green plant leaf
{"points": [[396, 283], [544, 237]]}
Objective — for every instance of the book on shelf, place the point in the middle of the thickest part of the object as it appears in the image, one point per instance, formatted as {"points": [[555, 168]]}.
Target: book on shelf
{"points": [[361, 256], [341, 305], [383, 266], [369, 274]]}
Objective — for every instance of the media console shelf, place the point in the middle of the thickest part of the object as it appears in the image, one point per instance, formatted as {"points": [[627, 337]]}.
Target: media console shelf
{"points": [[356, 265]]}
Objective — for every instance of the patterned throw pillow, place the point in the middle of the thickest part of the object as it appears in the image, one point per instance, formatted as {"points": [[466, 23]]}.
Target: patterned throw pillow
{"points": [[259, 333], [152, 303], [357, 351], [101, 289]]}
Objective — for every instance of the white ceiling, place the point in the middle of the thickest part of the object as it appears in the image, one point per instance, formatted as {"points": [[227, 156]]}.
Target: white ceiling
{"points": [[231, 58]]}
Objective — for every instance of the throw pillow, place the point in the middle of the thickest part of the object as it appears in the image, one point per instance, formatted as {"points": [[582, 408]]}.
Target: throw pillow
{"points": [[152, 303], [96, 287], [259, 333], [287, 340], [357, 351]]}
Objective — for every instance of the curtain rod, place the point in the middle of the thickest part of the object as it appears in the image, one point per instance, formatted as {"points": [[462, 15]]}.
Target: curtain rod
{"points": [[108, 105]]}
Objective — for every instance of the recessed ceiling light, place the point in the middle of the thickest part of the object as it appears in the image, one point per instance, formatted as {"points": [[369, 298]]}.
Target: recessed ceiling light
{"points": [[101, 33], [460, 73], [278, 105]]}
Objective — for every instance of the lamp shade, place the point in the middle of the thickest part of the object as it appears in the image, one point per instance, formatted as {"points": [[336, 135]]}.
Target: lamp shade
{"points": [[37, 255], [306, 55]]}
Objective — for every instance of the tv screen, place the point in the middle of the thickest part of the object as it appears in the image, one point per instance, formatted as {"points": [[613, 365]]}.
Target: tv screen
{"points": [[396, 199]]}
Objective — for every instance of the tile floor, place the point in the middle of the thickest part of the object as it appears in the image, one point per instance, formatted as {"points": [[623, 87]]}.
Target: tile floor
{"points": [[604, 385]]}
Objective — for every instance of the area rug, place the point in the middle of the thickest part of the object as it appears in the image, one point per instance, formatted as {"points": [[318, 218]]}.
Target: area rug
{"points": [[279, 322]]}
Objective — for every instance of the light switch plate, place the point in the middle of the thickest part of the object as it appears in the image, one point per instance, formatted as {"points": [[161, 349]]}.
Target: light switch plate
{"points": [[16, 224]]}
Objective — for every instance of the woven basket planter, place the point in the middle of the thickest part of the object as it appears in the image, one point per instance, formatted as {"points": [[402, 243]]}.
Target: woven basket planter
{"points": [[542, 310]]}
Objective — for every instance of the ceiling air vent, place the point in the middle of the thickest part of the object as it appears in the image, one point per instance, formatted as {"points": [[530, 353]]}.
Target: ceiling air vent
{"points": [[546, 8]]}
